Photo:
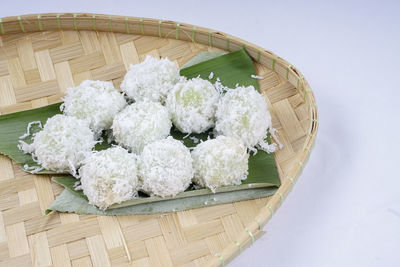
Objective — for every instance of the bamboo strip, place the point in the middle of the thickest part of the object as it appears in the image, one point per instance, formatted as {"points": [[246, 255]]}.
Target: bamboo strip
{"points": [[78, 249], [64, 75], [82, 262], [98, 252], [59, 255], [40, 252], [16, 240], [45, 65]]}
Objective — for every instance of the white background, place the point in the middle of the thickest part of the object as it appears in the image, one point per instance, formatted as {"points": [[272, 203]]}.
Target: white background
{"points": [[345, 208]]}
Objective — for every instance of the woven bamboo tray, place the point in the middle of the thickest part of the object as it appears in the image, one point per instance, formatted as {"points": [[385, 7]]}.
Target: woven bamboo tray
{"points": [[42, 55]]}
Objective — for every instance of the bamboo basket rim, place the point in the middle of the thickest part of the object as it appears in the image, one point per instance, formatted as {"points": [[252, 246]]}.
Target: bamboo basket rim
{"points": [[182, 31]]}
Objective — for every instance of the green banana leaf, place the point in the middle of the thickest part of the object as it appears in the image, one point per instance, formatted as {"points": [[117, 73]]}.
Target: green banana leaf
{"points": [[233, 68], [68, 201], [14, 125]]}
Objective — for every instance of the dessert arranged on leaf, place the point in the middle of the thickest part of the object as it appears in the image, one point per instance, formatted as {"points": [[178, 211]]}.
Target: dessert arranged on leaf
{"points": [[143, 156]]}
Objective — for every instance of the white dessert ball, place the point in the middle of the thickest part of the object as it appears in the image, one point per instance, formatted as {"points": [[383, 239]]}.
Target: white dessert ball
{"points": [[141, 123], [109, 177], [95, 101], [192, 104], [242, 113], [152, 79], [63, 144], [165, 168], [220, 162]]}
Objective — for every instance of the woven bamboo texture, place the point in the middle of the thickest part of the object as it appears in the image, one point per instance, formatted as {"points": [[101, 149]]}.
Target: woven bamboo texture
{"points": [[42, 55]]}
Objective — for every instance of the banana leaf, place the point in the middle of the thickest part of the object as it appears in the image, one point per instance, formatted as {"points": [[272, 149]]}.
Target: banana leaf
{"points": [[233, 68], [14, 125], [68, 201]]}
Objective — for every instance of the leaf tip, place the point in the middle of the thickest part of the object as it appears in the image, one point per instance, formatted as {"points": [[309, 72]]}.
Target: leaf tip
{"points": [[47, 212]]}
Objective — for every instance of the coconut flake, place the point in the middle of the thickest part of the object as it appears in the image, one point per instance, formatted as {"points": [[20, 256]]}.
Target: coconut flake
{"points": [[243, 114], [95, 101], [22, 145], [272, 131], [269, 148], [28, 129], [78, 185], [221, 89], [25, 147], [192, 105], [220, 162], [32, 169], [256, 77], [109, 176], [211, 75], [141, 123], [165, 168], [194, 139], [61, 145], [152, 79]]}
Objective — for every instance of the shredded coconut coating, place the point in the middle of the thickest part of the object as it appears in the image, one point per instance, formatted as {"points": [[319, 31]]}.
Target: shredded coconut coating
{"points": [[63, 144], [243, 114], [220, 162], [165, 168], [109, 177], [141, 123], [152, 79], [192, 104], [28, 129], [95, 101]]}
